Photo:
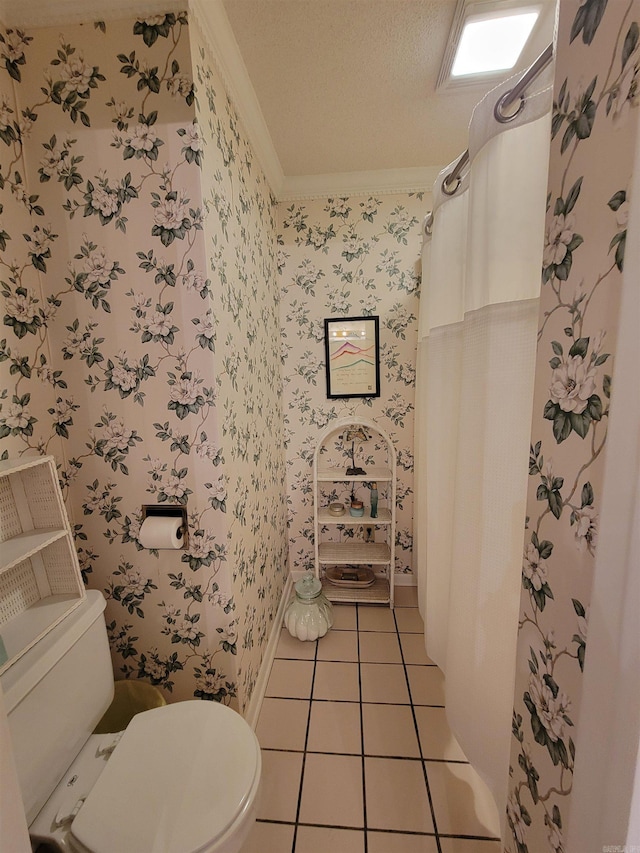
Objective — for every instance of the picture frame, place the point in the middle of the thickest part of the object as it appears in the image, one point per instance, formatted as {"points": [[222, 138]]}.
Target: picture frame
{"points": [[352, 356]]}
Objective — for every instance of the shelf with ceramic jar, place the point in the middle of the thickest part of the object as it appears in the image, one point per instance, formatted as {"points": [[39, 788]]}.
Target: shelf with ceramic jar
{"points": [[355, 512]]}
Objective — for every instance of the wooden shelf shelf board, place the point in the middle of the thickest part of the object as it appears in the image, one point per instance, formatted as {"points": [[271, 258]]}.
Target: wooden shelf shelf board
{"points": [[377, 593], [352, 553]]}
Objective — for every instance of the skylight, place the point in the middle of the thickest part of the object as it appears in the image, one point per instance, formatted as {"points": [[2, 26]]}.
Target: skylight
{"points": [[492, 43]]}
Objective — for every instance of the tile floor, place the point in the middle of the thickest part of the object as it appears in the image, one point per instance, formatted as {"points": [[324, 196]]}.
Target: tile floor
{"points": [[357, 754]]}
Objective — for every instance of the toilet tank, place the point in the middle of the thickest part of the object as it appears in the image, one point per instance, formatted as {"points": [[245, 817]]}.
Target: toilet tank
{"points": [[54, 696]]}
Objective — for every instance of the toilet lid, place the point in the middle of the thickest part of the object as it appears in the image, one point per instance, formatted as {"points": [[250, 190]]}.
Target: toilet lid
{"points": [[179, 778]]}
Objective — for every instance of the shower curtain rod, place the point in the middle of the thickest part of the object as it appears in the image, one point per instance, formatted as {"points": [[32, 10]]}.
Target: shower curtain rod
{"points": [[499, 111]]}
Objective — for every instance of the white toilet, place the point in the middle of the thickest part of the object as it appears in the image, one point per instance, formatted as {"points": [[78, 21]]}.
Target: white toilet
{"points": [[183, 778]]}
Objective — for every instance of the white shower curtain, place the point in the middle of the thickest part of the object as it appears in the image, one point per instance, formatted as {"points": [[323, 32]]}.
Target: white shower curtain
{"points": [[476, 354]]}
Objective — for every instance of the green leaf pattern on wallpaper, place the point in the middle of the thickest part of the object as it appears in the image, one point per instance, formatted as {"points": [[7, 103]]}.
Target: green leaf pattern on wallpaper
{"points": [[120, 361], [349, 256], [583, 259]]}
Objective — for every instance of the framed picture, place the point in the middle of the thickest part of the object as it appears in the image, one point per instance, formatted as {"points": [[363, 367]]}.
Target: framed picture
{"points": [[352, 357]]}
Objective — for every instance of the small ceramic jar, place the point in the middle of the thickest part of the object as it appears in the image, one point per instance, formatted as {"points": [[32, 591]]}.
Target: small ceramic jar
{"points": [[309, 614], [356, 509]]}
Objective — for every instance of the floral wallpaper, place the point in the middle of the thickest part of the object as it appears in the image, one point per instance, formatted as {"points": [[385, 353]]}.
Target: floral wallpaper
{"points": [[348, 257], [29, 384], [594, 123], [240, 234], [141, 336]]}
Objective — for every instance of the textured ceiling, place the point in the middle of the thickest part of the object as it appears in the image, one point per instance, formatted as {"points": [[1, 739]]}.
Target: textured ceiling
{"points": [[343, 86], [349, 85]]}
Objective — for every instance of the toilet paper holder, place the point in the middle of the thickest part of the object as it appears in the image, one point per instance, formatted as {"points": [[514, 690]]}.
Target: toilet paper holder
{"points": [[158, 510]]}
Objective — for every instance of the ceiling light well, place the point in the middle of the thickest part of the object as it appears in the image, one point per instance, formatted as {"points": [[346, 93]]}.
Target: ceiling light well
{"points": [[487, 38], [492, 43]]}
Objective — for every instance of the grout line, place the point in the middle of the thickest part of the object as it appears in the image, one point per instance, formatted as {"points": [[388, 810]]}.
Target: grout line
{"points": [[281, 749], [412, 832], [417, 731], [380, 830], [471, 837], [364, 783], [275, 820], [359, 829], [337, 701], [304, 753], [296, 823], [414, 758], [332, 826]]}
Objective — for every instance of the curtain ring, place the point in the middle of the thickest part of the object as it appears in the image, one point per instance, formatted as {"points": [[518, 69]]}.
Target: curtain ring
{"points": [[503, 102], [453, 189]]}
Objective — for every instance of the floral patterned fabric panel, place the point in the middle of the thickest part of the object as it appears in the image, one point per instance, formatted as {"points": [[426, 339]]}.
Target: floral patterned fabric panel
{"points": [[349, 257], [125, 338], [594, 124]]}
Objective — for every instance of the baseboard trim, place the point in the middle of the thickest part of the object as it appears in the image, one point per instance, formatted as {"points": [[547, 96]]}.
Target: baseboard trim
{"points": [[255, 703], [405, 579]]}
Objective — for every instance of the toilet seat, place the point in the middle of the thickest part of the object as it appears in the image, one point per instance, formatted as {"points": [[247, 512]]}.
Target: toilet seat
{"points": [[182, 777]]}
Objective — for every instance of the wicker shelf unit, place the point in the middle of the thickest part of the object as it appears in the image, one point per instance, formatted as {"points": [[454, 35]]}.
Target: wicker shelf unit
{"points": [[346, 540], [40, 578]]}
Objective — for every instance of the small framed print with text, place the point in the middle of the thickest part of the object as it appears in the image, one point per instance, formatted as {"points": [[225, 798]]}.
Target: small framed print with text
{"points": [[352, 357]]}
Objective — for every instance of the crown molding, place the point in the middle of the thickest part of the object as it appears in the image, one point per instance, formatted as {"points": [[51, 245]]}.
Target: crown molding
{"points": [[30, 14], [212, 18], [381, 182]]}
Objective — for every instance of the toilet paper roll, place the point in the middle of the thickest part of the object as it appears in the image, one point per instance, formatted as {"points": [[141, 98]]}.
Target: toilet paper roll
{"points": [[161, 531]]}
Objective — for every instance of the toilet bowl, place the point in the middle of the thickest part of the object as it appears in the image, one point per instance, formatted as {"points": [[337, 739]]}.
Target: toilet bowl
{"points": [[181, 778]]}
